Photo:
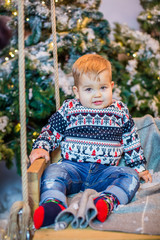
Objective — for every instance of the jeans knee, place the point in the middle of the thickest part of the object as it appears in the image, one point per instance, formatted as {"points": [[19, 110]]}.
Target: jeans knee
{"points": [[131, 172], [55, 176]]}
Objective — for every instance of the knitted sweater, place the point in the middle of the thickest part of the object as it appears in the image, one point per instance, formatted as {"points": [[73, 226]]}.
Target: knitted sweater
{"points": [[93, 135]]}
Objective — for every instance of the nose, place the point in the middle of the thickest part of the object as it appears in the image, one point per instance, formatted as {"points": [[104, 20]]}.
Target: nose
{"points": [[98, 93]]}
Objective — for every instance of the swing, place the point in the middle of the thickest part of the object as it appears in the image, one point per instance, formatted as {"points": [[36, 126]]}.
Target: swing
{"points": [[20, 218]]}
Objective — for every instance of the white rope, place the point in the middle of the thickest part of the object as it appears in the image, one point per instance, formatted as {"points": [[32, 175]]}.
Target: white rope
{"points": [[17, 229], [55, 58], [22, 100]]}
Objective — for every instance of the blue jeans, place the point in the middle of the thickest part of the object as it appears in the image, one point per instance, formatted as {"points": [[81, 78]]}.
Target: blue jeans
{"points": [[67, 177]]}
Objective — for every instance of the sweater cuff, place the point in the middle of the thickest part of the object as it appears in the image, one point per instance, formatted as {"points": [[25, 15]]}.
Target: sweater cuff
{"points": [[139, 168], [41, 145]]}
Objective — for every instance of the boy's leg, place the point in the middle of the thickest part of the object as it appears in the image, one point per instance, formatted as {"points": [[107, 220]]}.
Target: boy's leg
{"points": [[55, 183], [121, 184]]}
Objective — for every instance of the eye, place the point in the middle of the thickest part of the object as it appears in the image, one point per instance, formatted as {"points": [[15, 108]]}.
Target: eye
{"points": [[103, 87], [88, 89]]}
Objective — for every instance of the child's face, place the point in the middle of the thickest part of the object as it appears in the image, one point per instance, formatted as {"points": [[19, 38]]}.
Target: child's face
{"points": [[95, 93]]}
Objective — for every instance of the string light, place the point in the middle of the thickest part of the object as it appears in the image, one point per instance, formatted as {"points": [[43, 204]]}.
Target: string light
{"points": [[27, 19], [43, 2], [7, 2], [15, 13], [7, 58], [134, 55], [11, 54]]}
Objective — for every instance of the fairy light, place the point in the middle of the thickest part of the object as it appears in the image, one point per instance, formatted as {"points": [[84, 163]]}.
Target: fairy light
{"points": [[15, 13], [79, 20], [43, 2], [27, 19], [7, 58], [11, 54], [134, 55], [7, 2], [16, 50]]}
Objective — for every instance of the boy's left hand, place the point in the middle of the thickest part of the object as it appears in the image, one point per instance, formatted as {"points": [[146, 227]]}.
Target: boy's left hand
{"points": [[146, 176]]}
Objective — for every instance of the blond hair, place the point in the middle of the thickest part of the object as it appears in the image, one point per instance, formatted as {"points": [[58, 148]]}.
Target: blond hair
{"points": [[88, 64]]}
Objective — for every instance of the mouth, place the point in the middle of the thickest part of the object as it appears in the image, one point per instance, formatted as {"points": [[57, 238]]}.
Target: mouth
{"points": [[97, 102]]}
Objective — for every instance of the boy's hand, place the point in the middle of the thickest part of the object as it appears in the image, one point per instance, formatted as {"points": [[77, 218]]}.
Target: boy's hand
{"points": [[146, 176], [39, 153]]}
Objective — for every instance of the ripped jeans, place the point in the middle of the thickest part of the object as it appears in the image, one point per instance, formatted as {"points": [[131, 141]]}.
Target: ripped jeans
{"points": [[67, 177]]}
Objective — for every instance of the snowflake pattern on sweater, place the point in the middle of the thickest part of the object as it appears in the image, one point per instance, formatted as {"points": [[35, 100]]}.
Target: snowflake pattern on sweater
{"points": [[93, 135]]}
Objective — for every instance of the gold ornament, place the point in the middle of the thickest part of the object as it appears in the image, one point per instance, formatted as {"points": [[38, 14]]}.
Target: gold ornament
{"points": [[149, 16], [17, 127], [50, 46], [83, 23], [35, 134]]}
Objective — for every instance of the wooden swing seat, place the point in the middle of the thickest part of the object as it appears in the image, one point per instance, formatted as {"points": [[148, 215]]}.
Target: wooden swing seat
{"points": [[88, 234], [34, 174]]}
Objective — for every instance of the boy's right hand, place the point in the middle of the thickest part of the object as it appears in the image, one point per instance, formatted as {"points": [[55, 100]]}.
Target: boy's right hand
{"points": [[39, 153]]}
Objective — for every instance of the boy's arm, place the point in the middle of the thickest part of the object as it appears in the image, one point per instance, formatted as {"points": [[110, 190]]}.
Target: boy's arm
{"points": [[133, 152], [50, 136], [134, 155]]}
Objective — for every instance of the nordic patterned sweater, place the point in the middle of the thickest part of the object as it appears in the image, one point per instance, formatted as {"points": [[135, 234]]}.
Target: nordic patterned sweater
{"points": [[93, 135]]}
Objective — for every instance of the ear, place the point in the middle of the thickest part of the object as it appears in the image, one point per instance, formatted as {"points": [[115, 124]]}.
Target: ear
{"points": [[112, 84], [76, 92]]}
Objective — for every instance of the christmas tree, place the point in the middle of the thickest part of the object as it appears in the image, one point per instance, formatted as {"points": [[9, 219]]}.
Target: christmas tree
{"points": [[149, 19], [139, 54], [81, 29]]}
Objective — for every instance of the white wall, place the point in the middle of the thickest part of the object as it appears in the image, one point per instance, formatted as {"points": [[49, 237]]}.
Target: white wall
{"points": [[121, 11]]}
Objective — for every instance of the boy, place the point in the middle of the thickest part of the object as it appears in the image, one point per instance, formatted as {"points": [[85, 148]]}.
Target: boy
{"points": [[94, 131]]}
